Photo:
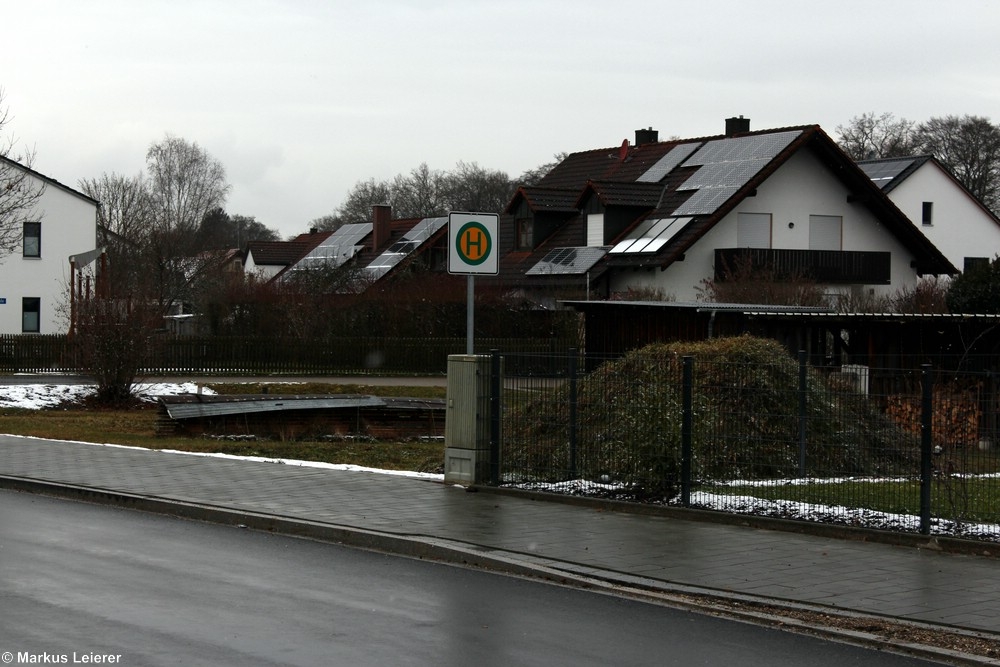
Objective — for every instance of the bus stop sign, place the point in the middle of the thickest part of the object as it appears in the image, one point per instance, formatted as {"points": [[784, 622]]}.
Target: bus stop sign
{"points": [[472, 243]]}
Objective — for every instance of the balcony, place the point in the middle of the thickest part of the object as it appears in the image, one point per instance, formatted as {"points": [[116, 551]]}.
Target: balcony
{"points": [[841, 267]]}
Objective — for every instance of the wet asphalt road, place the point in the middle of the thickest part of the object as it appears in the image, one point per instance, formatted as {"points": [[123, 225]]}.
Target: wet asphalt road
{"points": [[85, 579]]}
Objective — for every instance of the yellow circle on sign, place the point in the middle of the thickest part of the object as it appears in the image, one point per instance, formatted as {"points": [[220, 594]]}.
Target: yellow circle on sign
{"points": [[473, 243]]}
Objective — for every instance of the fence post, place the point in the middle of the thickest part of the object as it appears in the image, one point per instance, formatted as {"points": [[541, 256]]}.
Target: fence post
{"points": [[495, 407], [686, 422], [572, 412], [802, 413], [926, 448]]}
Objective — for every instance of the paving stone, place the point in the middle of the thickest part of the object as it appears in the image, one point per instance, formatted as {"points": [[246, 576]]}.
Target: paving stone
{"points": [[868, 577]]}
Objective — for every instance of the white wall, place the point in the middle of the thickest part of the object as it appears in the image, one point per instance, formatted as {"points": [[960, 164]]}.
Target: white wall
{"points": [[960, 228], [69, 227], [261, 271], [800, 188]]}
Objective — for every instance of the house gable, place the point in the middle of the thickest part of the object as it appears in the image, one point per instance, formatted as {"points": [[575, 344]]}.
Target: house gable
{"points": [[944, 210], [372, 253], [36, 281], [792, 202], [652, 203], [267, 259]]}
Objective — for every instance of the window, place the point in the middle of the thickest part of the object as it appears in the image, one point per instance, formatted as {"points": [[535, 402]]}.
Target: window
{"points": [[31, 307], [927, 215], [595, 229], [753, 230], [975, 263], [32, 239], [826, 232], [525, 238]]}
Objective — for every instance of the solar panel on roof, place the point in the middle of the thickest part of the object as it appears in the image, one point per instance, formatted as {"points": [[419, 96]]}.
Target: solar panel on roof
{"points": [[339, 247], [651, 237], [403, 247], [425, 228], [735, 149], [636, 234], [348, 235], [706, 201], [411, 240], [883, 172], [315, 261], [650, 234], [567, 261], [724, 174], [725, 166], [667, 163]]}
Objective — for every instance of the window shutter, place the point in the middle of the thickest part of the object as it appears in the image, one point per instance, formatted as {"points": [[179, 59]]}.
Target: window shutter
{"points": [[826, 232], [595, 229], [753, 230]]}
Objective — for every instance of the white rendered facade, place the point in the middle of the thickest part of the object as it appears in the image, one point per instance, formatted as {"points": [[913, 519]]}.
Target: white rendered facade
{"points": [[800, 188], [35, 278], [958, 225], [263, 272]]}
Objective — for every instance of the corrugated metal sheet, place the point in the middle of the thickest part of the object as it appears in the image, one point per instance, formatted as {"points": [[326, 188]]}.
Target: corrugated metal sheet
{"points": [[191, 406]]}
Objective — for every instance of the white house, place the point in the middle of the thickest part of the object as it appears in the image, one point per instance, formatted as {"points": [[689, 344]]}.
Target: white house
{"points": [[35, 279], [961, 226], [266, 259], [666, 216]]}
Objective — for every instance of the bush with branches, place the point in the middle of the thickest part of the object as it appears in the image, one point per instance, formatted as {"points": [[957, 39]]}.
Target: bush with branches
{"points": [[745, 421]]}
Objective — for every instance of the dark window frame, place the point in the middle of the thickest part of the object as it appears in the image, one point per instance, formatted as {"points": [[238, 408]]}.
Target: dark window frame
{"points": [[31, 304], [32, 231], [525, 234], [927, 213], [975, 263]]}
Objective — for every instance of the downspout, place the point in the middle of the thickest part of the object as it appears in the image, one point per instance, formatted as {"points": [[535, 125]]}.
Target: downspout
{"points": [[72, 297]]}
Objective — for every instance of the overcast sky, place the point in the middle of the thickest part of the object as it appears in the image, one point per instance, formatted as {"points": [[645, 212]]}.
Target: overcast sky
{"points": [[302, 99]]}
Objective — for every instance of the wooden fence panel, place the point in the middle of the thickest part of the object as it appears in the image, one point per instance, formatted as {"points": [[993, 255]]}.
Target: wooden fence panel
{"points": [[190, 355]]}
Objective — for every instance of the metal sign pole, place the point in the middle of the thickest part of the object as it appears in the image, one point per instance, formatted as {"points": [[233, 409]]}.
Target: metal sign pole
{"points": [[470, 301], [472, 249]]}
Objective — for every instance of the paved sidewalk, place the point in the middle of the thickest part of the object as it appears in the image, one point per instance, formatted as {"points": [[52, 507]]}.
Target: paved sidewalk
{"points": [[905, 582]]}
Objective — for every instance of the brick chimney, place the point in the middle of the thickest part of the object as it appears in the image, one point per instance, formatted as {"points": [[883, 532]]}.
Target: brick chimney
{"points": [[381, 215], [736, 126], [649, 136]]}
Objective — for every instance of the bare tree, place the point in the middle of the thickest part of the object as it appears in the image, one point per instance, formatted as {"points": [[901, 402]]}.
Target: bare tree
{"points": [[20, 190], [532, 176], [113, 337], [329, 223], [470, 187], [219, 230], [743, 282], [185, 184], [869, 136], [358, 205], [425, 192], [126, 205], [970, 147], [421, 193]]}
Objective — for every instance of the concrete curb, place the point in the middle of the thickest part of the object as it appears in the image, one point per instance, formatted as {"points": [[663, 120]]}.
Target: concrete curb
{"points": [[757, 610]]}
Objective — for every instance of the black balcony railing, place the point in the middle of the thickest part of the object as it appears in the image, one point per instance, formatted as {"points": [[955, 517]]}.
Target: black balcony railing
{"points": [[822, 266]]}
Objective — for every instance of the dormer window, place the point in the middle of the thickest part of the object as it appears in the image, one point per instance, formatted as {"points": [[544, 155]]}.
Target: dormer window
{"points": [[525, 236]]}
